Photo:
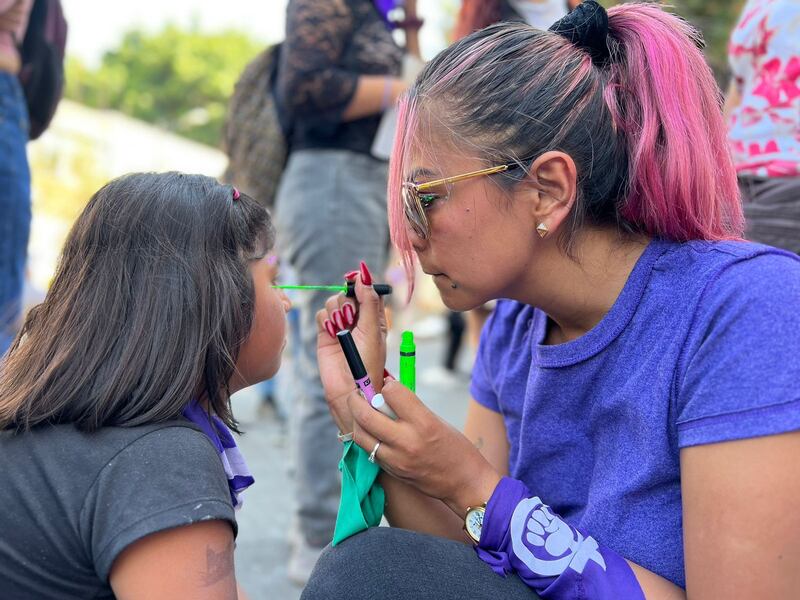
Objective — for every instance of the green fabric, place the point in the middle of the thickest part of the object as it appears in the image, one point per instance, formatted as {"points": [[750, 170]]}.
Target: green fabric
{"points": [[361, 504]]}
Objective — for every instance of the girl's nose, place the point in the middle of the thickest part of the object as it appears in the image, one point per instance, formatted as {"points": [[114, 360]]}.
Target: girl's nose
{"points": [[287, 304]]}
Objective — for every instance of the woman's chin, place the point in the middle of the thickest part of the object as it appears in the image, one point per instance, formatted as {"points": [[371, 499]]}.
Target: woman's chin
{"points": [[458, 301]]}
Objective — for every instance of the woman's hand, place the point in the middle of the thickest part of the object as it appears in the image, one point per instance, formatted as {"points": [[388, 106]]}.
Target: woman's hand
{"points": [[422, 450], [365, 317]]}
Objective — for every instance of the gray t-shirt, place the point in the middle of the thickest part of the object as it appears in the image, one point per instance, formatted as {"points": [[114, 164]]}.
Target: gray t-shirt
{"points": [[70, 502]]}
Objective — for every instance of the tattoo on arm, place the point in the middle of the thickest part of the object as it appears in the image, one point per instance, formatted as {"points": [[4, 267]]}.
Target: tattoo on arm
{"points": [[219, 565], [479, 443]]}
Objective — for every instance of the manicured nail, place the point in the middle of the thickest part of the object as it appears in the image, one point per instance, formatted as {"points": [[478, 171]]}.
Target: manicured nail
{"points": [[337, 319], [366, 276], [349, 314], [329, 328], [349, 276]]}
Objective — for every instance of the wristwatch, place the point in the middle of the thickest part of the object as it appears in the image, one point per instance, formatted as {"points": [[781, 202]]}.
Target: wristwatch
{"points": [[473, 522]]}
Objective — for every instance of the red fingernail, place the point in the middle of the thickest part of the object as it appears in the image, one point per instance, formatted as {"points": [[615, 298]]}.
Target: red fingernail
{"points": [[337, 319], [329, 328], [366, 276], [350, 275], [349, 314]]}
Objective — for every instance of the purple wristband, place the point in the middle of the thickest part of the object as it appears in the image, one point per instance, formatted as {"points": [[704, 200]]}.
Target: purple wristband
{"points": [[521, 534]]}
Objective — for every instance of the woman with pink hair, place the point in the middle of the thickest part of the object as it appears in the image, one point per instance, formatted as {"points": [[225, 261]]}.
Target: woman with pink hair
{"points": [[635, 407]]}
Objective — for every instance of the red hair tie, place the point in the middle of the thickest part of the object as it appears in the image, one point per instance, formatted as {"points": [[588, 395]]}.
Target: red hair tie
{"points": [[235, 194]]}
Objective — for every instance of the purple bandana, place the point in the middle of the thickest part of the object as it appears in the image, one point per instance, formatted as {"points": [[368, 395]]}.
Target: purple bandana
{"points": [[522, 535], [239, 477]]}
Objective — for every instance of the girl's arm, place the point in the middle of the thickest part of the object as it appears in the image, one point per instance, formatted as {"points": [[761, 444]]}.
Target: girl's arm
{"points": [[409, 508], [193, 561]]}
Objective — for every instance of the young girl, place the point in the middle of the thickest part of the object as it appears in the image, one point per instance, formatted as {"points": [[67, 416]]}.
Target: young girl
{"points": [[118, 473], [633, 431]]}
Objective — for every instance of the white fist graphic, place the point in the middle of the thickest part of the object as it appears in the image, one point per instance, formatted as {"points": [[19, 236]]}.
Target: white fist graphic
{"points": [[551, 532], [546, 544]]}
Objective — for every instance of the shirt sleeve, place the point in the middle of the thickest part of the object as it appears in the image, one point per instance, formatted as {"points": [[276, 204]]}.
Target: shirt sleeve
{"points": [[310, 81], [167, 478], [741, 368]]}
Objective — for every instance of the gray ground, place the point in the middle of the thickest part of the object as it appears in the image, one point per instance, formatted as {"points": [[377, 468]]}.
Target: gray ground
{"points": [[262, 549]]}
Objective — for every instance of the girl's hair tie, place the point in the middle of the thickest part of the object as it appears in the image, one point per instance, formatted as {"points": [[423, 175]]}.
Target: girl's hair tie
{"points": [[235, 194]]}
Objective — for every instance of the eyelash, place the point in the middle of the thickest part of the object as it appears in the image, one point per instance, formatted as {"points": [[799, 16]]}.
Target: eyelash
{"points": [[427, 200]]}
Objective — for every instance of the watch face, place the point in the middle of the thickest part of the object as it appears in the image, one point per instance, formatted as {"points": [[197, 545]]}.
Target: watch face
{"points": [[474, 523]]}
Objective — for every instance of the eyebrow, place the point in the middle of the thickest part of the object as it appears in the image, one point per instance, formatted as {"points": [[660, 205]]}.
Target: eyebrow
{"points": [[421, 172]]}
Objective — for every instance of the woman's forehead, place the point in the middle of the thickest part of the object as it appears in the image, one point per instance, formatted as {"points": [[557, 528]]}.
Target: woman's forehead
{"points": [[427, 164]]}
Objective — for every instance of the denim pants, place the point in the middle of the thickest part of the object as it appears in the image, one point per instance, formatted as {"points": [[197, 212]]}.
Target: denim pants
{"points": [[15, 205], [331, 213]]}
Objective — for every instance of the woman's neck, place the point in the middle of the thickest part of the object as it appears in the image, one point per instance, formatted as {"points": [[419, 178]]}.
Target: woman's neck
{"points": [[576, 293]]}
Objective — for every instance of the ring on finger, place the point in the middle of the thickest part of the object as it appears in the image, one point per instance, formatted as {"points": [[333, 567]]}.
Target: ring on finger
{"points": [[374, 452]]}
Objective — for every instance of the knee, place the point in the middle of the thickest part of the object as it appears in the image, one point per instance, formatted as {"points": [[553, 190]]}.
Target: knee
{"points": [[329, 578], [339, 567]]}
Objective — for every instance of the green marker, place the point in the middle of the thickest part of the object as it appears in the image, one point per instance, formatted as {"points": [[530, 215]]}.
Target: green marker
{"points": [[408, 361], [349, 289]]}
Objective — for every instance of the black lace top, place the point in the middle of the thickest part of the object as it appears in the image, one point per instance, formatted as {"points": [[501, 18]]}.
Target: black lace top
{"points": [[329, 43]]}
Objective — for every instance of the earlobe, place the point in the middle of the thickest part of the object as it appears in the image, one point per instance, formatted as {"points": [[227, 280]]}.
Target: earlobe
{"points": [[554, 176]]}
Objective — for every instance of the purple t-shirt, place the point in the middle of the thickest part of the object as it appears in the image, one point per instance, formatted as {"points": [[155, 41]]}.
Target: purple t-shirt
{"points": [[701, 346]]}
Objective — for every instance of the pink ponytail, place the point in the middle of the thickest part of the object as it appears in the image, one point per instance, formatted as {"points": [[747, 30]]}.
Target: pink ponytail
{"points": [[664, 97]]}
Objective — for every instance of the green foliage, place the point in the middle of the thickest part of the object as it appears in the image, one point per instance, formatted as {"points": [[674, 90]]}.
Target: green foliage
{"points": [[715, 19], [176, 79]]}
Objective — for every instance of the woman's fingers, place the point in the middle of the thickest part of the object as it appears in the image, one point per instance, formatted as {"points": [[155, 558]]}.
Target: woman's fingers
{"points": [[370, 305], [324, 324], [370, 420], [335, 319], [347, 307]]}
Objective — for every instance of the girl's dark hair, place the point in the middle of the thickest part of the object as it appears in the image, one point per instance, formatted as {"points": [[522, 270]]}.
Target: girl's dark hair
{"points": [[149, 306], [644, 128]]}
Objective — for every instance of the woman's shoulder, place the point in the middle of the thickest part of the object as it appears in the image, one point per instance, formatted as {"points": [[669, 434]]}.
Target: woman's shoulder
{"points": [[703, 263], [747, 263]]}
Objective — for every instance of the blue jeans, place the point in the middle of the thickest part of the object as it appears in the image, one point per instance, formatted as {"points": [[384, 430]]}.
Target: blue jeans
{"points": [[15, 205]]}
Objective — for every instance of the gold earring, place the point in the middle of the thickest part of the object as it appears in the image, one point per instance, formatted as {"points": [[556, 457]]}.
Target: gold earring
{"points": [[542, 230]]}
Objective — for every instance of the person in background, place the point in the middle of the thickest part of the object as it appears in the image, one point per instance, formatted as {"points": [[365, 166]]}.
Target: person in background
{"points": [[763, 110], [477, 14], [15, 184], [339, 71]]}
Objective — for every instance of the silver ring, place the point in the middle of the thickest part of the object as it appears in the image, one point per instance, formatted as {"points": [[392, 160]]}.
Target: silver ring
{"points": [[345, 437], [374, 452]]}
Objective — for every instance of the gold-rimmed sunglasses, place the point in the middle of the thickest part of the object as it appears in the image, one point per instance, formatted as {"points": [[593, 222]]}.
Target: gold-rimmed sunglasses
{"points": [[416, 200]]}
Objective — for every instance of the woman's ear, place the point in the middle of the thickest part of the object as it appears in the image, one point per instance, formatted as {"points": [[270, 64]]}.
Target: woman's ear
{"points": [[554, 177]]}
